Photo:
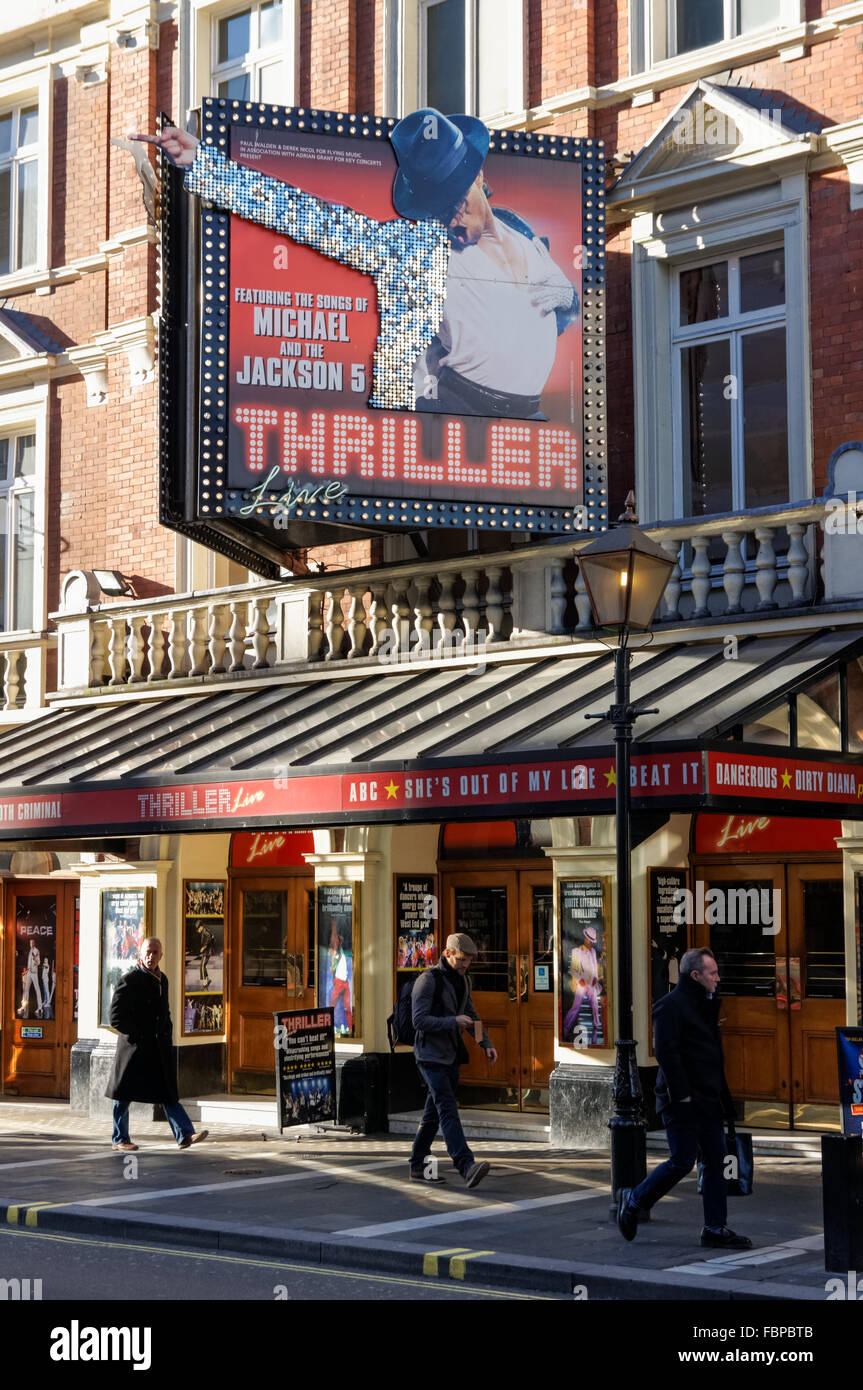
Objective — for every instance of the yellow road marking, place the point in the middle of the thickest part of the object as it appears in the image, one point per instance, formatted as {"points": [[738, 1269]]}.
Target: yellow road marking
{"points": [[431, 1257], [32, 1211], [271, 1264], [457, 1263], [12, 1216]]}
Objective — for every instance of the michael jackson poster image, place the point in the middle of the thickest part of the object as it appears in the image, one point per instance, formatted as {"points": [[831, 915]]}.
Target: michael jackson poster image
{"points": [[336, 921], [584, 968]]}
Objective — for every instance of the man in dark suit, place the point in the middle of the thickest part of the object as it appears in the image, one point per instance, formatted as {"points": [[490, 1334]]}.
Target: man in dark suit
{"points": [[693, 1097], [143, 1067]]}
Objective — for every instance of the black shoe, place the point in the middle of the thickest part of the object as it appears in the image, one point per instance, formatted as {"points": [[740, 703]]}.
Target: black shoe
{"points": [[724, 1239], [475, 1173], [418, 1175], [627, 1215]]}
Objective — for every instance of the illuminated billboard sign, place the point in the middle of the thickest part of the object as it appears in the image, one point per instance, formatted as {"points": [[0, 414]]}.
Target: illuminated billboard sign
{"points": [[401, 327]]}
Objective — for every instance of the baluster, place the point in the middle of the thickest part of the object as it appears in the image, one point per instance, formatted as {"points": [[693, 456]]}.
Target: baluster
{"points": [[798, 561], [423, 619], [335, 625], [237, 635], [136, 648], [316, 625], [177, 643], [470, 604], [446, 615], [733, 571], [157, 645], [556, 581], [117, 653], [217, 630], [12, 678], [357, 622], [401, 609], [198, 652], [99, 651], [494, 604], [700, 576], [765, 566], [379, 615], [671, 597], [582, 602], [261, 631]]}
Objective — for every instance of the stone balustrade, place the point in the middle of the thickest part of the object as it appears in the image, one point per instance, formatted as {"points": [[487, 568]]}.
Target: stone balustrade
{"points": [[725, 567], [22, 672]]}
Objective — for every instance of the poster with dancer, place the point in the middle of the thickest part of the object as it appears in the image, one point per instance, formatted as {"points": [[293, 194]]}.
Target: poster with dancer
{"points": [[584, 964], [125, 922], [203, 956], [304, 1041], [36, 956], [336, 926]]}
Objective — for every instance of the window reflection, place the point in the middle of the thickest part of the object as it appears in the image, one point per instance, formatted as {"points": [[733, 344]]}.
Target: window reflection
{"points": [[818, 716]]}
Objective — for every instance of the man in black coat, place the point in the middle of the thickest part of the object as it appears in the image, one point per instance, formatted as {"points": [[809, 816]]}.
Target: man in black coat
{"points": [[693, 1098], [143, 1067]]}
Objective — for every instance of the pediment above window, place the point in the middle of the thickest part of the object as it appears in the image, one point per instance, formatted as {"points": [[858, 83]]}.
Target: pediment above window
{"points": [[716, 133]]}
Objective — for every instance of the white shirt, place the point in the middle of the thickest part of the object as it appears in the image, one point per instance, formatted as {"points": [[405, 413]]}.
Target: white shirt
{"points": [[491, 331]]}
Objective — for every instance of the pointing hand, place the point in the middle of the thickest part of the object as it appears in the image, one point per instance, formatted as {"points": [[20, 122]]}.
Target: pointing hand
{"points": [[178, 146]]}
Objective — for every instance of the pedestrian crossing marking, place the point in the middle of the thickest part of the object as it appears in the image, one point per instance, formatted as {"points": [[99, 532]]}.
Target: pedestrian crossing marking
{"points": [[457, 1263], [431, 1257]]}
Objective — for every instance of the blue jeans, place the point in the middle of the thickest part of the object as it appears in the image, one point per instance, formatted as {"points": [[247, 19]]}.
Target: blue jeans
{"points": [[687, 1132], [441, 1109], [175, 1115]]}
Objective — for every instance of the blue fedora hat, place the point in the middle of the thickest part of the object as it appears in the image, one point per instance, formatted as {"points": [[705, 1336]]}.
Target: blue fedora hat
{"points": [[439, 158]]}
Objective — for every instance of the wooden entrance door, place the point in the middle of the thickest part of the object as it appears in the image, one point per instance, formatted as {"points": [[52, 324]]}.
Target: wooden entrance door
{"points": [[508, 913], [40, 987], [816, 976], [751, 950], [272, 966], [783, 989]]}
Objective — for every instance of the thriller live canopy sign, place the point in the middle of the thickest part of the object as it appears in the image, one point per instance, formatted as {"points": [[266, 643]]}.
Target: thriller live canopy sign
{"points": [[372, 327], [670, 779]]}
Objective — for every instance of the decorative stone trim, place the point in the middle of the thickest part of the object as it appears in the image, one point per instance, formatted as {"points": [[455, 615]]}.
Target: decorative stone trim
{"points": [[137, 339], [90, 360], [846, 141]]}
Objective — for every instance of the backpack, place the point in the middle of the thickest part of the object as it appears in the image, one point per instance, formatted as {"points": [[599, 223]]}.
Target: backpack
{"points": [[400, 1024]]}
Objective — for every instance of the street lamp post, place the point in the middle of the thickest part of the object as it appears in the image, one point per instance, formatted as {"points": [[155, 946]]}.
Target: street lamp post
{"points": [[625, 574]]}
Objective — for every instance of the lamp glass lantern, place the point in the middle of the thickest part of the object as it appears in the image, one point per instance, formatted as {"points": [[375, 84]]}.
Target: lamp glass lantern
{"points": [[625, 574]]}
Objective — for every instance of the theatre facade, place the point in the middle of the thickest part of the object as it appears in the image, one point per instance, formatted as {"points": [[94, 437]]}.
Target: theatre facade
{"points": [[308, 832]]}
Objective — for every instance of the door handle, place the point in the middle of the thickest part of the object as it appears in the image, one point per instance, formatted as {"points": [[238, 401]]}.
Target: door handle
{"points": [[512, 976], [524, 976]]}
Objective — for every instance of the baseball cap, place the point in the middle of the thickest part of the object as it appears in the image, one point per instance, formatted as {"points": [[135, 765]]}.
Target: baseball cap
{"points": [[460, 941]]}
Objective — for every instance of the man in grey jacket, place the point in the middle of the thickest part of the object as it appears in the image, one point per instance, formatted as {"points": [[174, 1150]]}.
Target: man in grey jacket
{"points": [[441, 1008]]}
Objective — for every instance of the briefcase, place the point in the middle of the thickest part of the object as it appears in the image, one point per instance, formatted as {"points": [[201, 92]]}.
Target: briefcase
{"points": [[738, 1147]]}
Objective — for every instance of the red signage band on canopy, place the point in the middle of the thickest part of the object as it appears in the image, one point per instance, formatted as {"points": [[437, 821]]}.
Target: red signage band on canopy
{"points": [[517, 787], [783, 779], [752, 833], [279, 848]]}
